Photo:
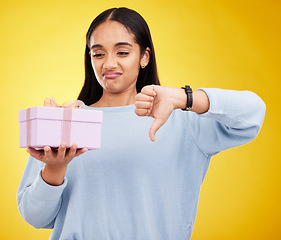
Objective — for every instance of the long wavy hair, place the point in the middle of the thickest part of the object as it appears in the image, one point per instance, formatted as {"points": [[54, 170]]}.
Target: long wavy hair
{"points": [[92, 91]]}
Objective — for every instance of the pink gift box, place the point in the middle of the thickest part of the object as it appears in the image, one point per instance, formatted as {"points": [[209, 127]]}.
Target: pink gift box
{"points": [[50, 126]]}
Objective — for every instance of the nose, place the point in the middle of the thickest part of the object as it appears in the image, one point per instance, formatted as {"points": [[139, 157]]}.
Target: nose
{"points": [[110, 62]]}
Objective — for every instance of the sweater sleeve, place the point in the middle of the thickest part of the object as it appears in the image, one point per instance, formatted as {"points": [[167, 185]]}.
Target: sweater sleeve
{"points": [[38, 202], [233, 119]]}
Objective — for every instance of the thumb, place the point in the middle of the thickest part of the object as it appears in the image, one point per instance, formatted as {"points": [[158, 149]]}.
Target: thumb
{"points": [[154, 128]]}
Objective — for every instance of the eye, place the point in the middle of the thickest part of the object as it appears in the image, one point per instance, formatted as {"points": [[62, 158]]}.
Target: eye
{"points": [[98, 55], [123, 54]]}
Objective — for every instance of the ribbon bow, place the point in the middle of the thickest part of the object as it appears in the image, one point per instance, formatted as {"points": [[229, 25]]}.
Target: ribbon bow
{"points": [[51, 102]]}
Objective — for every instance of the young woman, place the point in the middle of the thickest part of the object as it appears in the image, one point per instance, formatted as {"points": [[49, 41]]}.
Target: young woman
{"points": [[141, 184]]}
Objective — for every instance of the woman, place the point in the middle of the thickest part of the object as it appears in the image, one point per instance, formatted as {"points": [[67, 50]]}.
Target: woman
{"points": [[134, 188]]}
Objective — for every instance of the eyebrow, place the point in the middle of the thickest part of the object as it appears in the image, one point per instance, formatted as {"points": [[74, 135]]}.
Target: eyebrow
{"points": [[116, 45]]}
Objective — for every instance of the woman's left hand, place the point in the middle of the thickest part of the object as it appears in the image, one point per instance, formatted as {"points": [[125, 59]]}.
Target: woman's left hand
{"points": [[159, 102]]}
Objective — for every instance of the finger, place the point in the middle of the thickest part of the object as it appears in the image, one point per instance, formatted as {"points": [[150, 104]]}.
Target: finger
{"points": [[48, 153], [80, 151], [146, 105], [61, 151], [71, 152], [35, 153], [148, 90], [154, 128], [142, 112], [143, 97]]}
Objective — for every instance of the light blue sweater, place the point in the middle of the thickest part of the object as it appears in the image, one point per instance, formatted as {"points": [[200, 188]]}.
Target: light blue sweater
{"points": [[135, 189]]}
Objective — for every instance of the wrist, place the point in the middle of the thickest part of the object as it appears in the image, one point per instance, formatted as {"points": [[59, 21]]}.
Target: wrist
{"points": [[201, 103], [53, 175], [180, 98]]}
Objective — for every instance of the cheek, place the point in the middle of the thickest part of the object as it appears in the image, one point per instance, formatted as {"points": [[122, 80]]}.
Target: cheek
{"points": [[96, 66], [132, 66]]}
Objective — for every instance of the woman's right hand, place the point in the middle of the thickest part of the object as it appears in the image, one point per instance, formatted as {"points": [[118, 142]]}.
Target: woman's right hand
{"points": [[56, 161]]}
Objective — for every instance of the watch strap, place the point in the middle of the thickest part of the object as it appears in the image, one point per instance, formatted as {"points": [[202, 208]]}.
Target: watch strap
{"points": [[189, 95]]}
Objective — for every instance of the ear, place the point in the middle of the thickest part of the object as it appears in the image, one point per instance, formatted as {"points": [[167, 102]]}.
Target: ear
{"points": [[145, 58]]}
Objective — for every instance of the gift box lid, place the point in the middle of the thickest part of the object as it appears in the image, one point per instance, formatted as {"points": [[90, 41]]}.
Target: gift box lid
{"points": [[55, 113]]}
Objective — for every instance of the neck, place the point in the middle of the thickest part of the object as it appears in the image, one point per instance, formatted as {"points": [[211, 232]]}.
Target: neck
{"points": [[116, 99]]}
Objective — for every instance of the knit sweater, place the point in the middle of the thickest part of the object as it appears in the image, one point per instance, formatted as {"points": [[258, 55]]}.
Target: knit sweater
{"points": [[135, 189]]}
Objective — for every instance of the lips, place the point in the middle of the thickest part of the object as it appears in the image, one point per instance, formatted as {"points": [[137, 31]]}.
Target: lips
{"points": [[111, 75]]}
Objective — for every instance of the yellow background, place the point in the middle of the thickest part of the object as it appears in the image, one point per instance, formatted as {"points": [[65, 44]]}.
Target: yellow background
{"points": [[219, 43]]}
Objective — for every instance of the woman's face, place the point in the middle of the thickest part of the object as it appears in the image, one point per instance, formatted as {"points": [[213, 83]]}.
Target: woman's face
{"points": [[116, 57]]}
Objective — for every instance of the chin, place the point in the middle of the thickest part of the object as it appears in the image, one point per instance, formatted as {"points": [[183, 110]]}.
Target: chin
{"points": [[113, 89]]}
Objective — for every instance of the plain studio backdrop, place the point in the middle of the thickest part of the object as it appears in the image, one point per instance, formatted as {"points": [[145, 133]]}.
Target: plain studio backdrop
{"points": [[223, 44]]}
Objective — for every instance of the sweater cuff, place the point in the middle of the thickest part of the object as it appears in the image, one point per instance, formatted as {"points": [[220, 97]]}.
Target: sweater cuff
{"points": [[43, 191], [238, 109], [217, 101]]}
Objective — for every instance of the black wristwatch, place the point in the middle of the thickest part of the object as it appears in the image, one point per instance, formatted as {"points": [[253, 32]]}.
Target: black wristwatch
{"points": [[189, 102]]}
